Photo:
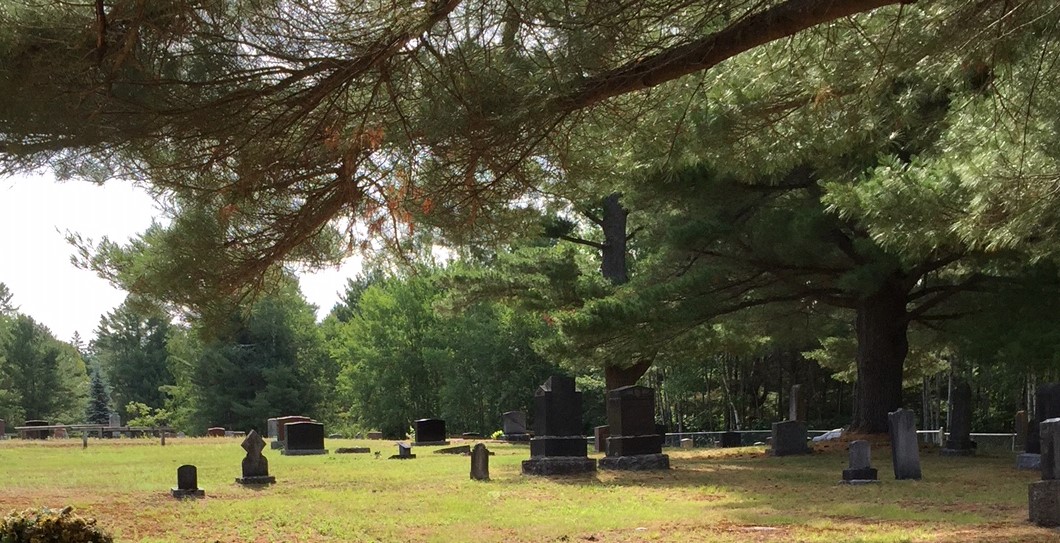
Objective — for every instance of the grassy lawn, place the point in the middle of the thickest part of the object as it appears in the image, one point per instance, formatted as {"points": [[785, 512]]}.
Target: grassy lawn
{"points": [[709, 495]]}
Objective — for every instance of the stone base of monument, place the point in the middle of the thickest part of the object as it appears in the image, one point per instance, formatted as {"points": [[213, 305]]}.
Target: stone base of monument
{"points": [[957, 452], [256, 480], [558, 465], [564, 446], [428, 443], [1029, 461], [276, 445], [856, 476], [302, 452], [519, 438], [353, 450], [459, 449], [634, 445], [187, 492], [636, 462], [1044, 498]]}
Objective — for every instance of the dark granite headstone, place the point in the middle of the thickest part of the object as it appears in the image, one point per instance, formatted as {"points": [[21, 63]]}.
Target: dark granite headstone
{"points": [[600, 435], [255, 465], [789, 438], [3, 428], [1044, 496], [480, 463], [215, 431], [36, 434], [959, 442], [281, 436], [1047, 406], [187, 483], [430, 432], [905, 452], [1020, 429], [304, 439], [636, 441], [860, 466], [731, 439], [404, 452], [558, 446], [797, 404], [513, 423]]}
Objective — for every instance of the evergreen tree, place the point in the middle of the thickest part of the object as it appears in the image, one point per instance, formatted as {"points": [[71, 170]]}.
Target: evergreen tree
{"points": [[98, 410]]}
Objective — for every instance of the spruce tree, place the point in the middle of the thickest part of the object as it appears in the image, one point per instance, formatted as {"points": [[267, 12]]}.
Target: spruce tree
{"points": [[98, 409]]}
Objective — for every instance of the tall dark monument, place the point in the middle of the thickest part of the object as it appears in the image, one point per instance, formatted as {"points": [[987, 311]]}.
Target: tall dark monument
{"points": [[558, 446], [635, 443]]}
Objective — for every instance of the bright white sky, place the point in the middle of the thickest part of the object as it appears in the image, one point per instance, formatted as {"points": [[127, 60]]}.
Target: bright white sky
{"points": [[35, 214]]}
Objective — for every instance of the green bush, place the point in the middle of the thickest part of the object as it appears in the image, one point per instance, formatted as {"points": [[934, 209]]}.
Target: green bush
{"points": [[51, 526]]}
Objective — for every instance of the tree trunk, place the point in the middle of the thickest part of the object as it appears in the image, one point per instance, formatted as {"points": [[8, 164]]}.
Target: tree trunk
{"points": [[881, 326], [613, 264]]}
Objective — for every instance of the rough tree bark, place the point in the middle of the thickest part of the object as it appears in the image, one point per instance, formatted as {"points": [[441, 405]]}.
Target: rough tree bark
{"points": [[881, 325]]}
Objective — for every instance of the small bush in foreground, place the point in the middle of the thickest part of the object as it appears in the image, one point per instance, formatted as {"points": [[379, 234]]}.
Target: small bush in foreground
{"points": [[51, 526]]}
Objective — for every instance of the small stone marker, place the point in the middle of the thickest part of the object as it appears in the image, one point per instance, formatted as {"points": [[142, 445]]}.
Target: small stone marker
{"points": [[163, 438], [255, 465], [1020, 430], [303, 439], [374, 435], [687, 443], [1044, 496], [905, 452], [600, 435], [789, 438], [430, 432], [404, 452], [459, 449], [860, 468], [797, 404], [731, 439], [480, 463], [215, 431], [272, 428], [353, 450], [84, 439], [187, 483], [114, 421], [960, 422], [3, 429]]}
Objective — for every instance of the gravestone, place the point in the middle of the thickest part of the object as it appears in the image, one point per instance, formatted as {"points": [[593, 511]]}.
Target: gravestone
{"points": [[600, 435], [281, 437], [1020, 429], [215, 431], [163, 438], [1047, 406], [471, 435], [429, 432], [272, 428], [789, 438], [860, 468], [797, 404], [374, 435], [513, 423], [84, 439], [905, 452], [3, 429], [114, 421], [255, 465], [37, 434], [959, 442], [1044, 496], [480, 463], [404, 452], [636, 441], [353, 450], [187, 483], [558, 446], [304, 439], [459, 449], [731, 439], [687, 443]]}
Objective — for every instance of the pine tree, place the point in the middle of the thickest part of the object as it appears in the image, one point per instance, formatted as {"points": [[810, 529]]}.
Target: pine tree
{"points": [[98, 410]]}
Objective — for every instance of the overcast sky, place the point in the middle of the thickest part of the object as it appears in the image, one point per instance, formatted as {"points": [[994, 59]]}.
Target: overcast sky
{"points": [[35, 214]]}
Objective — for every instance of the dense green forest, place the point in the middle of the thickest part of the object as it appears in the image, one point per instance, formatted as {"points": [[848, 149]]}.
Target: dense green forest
{"points": [[720, 199]]}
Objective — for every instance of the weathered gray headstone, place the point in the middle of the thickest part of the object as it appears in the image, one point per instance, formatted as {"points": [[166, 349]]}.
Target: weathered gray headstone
{"points": [[272, 428], [687, 443], [114, 420], [303, 439], [860, 463], [959, 442], [163, 438], [1044, 496], [797, 404], [187, 483], [404, 452], [430, 432], [636, 441], [255, 465], [789, 438], [513, 423], [480, 463], [558, 446], [84, 439], [459, 449], [1020, 429], [905, 452]]}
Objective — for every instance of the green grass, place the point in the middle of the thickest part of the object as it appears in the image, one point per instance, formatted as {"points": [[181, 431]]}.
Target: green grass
{"points": [[709, 495]]}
